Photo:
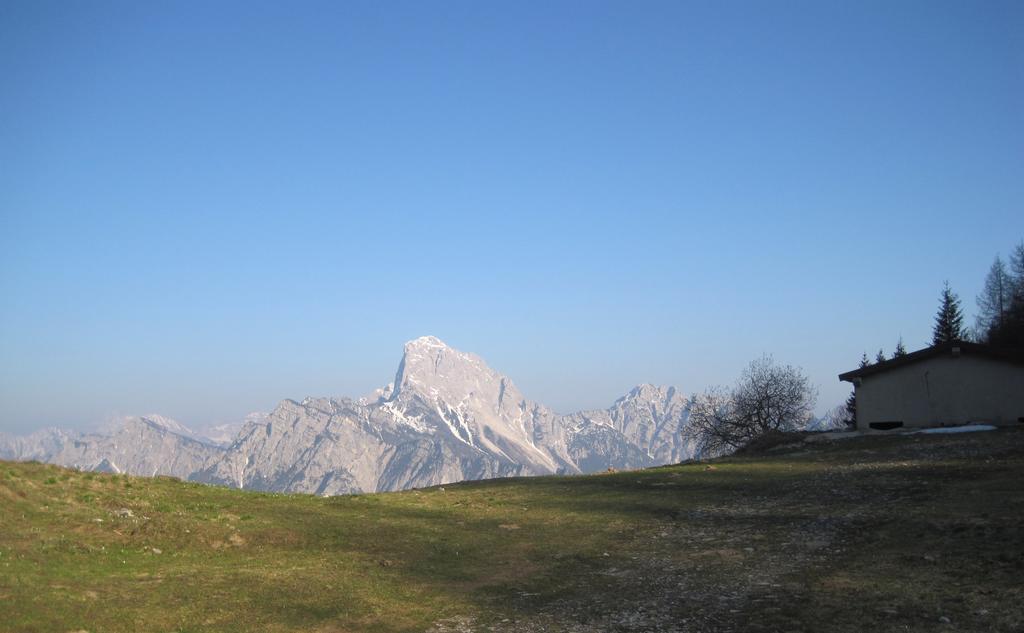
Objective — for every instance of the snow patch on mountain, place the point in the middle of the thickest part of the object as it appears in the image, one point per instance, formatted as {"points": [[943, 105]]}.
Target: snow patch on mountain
{"points": [[446, 417]]}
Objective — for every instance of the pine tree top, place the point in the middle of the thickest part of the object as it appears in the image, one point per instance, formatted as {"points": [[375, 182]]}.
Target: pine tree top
{"points": [[949, 322]]}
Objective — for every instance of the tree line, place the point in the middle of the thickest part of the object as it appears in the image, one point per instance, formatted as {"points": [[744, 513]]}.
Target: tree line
{"points": [[1000, 318], [776, 398], [999, 322]]}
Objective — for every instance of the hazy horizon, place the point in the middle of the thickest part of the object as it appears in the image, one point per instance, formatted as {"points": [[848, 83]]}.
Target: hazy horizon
{"points": [[103, 421], [206, 209]]}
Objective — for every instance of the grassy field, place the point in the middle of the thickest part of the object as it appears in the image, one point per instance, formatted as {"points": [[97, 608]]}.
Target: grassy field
{"points": [[913, 533]]}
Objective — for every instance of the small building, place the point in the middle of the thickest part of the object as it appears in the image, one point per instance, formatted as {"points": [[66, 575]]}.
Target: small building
{"points": [[944, 385]]}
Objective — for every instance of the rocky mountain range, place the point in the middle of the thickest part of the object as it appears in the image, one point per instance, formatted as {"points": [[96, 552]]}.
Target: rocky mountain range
{"points": [[446, 417]]}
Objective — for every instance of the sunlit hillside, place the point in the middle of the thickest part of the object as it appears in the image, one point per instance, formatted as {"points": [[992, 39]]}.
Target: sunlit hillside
{"points": [[906, 533]]}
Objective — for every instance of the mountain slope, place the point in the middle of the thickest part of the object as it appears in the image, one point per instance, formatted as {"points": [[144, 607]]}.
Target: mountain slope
{"points": [[890, 533], [446, 417], [139, 445]]}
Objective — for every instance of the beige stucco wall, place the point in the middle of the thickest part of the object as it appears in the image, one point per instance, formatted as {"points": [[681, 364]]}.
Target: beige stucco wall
{"points": [[943, 391]]}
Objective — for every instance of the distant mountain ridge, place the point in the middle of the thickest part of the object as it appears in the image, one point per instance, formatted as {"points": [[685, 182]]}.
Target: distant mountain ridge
{"points": [[446, 417]]}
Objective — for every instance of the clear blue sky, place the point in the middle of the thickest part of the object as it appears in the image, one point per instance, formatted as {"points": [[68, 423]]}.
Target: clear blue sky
{"points": [[206, 207]]}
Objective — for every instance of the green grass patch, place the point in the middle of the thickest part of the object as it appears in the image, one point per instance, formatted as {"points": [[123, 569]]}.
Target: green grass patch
{"points": [[890, 533]]}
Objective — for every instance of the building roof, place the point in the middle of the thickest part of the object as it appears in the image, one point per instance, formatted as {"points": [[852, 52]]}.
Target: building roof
{"points": [[953, 348]]}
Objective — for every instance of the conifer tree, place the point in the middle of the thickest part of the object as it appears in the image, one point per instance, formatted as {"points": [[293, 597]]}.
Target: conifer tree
{"points": [[901, 350], [880, 356], [994, 300], [1010, 334], [1016, 272], [851, 409], [851, 402], [949, 322]]}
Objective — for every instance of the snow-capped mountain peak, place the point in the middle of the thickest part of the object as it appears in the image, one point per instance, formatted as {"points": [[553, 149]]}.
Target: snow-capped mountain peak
{"points": [[432, 369], [448, 416], [425, 342], [165, 423]]}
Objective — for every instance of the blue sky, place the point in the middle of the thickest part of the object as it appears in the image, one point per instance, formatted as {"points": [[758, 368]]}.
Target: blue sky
{"points": [[208, 207]]}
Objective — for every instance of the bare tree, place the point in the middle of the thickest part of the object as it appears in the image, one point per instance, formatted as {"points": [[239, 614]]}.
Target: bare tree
{"points": [[1008, 333], [767, 397], [994, 300], [838, 417], [713, 422]]}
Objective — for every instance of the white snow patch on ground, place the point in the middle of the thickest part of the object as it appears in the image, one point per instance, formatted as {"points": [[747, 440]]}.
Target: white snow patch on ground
{"points": [[970, 428]]}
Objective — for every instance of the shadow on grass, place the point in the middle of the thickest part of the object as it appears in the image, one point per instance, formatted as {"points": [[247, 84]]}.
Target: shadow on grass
{"points": [[522, 547]]}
